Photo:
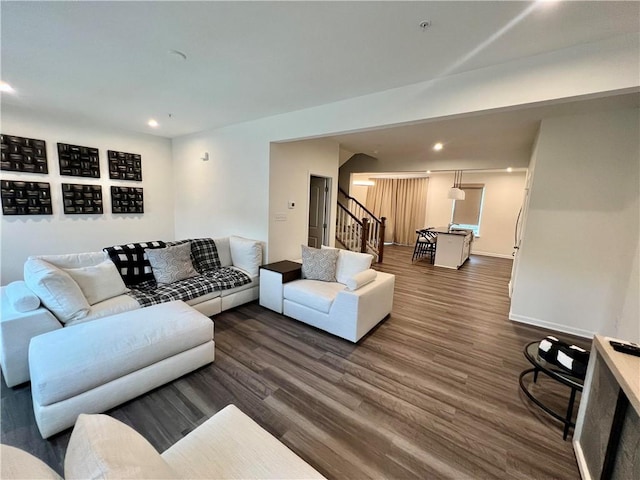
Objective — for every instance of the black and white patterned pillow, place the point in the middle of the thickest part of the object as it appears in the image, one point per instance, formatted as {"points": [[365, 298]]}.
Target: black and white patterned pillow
{"points": [[171, 264], [132, 262], [319, 264], [204, 254]]}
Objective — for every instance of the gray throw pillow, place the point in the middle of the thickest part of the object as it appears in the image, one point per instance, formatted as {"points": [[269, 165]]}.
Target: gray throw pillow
{"points": [[171, 264], [319, 264]]}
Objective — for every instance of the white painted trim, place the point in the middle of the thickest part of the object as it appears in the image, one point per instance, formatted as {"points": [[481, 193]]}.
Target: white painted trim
{"points": [[550, 325], [582, 462], [490, 254]]}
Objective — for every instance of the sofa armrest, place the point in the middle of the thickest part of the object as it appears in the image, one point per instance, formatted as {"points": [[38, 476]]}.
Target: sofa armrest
{"points": [[16, 331], [368, 304]]}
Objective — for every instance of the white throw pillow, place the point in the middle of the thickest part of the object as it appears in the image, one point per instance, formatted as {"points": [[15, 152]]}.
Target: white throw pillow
{"points": [[171, 264], [99, 282], [246, 254], [361, 279], [56, 289], [319, 264], [350, 264], [224, 251], [102, 447], [21, 298]]}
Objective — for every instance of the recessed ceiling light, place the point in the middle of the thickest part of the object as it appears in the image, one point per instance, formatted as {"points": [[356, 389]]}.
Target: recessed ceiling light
{"points": [[509, 169], [5, 87], [428, 171], [438, 146], [153, 123]]}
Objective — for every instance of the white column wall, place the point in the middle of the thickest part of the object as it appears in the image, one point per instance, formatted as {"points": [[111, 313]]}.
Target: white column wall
{"points": [[23, 236], [578, 258], [291, 166]]}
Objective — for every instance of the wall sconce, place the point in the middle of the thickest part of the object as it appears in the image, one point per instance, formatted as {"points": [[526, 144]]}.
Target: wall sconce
{"points": [[455, 192], [205, 157]]}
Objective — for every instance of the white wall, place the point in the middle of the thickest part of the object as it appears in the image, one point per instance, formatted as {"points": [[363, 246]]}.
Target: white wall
{"points": [[578, 267], [22, 236], [290, 169], [229, 194], [502, 199]]}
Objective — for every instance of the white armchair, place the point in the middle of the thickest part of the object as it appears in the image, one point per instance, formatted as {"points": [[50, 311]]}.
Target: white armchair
{"points": [[333, 308]]}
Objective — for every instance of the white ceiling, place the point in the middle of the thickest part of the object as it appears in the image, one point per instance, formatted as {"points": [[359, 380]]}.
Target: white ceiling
{"points": [[107, 62]]}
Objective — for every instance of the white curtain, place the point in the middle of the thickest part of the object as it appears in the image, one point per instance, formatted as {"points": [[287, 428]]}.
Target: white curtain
{"points": [[403, 201]]}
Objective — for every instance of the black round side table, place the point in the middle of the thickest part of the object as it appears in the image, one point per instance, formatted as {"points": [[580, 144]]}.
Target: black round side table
{"points": [[554, 372]]}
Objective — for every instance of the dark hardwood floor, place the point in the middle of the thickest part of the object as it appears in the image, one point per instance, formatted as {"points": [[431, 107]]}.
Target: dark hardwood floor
{"points": [[431, 393]]}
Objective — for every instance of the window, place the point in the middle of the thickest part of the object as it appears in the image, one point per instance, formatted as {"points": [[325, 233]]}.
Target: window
{"points": [[468, 212]]}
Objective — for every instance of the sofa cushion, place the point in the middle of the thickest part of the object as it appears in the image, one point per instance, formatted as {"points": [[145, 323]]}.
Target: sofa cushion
{"points": [[315, 294], [350, 263], [96, 353], [56, 289], [132, 262], [171, 264], [224, 251], [319, 264], [246, 254], [21, 298], [98, 282], [17, 463], [361, 279], [108, 307], [102, 447]]}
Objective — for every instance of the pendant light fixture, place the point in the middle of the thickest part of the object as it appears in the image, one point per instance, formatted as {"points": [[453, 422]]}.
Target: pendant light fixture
{"points": [[455, 192]]}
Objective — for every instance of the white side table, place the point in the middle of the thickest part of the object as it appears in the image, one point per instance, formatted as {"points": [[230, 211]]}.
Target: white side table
{"points": [[272, 277]]}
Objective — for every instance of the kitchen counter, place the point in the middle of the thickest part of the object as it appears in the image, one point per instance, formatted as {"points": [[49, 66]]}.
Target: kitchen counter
{"points": [[453, 247]]}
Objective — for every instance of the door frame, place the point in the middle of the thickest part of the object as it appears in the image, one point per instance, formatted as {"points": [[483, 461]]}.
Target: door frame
{"points": [[327, 206]]}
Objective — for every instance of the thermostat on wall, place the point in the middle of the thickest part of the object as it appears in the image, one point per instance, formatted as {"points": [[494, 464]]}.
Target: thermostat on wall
{"points": [[291, 204]]}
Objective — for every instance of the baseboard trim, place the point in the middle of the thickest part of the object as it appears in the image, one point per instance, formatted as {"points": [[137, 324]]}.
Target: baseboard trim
{"points": [[490, 254], [550, 325]]}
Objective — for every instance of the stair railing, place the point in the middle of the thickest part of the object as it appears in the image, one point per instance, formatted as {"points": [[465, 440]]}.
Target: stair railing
{"points": [[370, 230]]}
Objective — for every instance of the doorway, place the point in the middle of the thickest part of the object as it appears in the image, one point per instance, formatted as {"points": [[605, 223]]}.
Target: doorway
{"points": [[318, 211]]}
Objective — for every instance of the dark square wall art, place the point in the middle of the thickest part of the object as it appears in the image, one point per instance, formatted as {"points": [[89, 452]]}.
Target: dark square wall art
{"points": [[78, 161], [127, 200], [26, 198], [21, 154], [82, 199], [125, 166]]}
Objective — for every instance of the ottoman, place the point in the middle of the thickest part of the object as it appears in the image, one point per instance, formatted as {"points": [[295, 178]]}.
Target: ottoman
{"points": [[94, 366]]}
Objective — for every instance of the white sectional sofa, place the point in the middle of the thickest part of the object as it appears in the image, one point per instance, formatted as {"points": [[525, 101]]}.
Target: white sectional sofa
{"points": [[53, 297], [229, 445]]}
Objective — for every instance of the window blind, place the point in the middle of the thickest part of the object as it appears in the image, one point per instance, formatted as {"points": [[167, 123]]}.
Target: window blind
{"points": [[467, 211]]}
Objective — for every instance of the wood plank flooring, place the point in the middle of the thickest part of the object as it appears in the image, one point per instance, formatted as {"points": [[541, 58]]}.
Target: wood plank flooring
{"points": [[431, 393]]}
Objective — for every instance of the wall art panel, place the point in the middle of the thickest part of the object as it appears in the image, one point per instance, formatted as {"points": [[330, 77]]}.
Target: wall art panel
{"points": [[78, 161], [125, 166], [79, 199], [127, 200], [26, 198], [21, 154]]}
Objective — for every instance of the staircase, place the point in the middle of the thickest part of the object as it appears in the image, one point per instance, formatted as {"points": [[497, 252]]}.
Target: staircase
{"points": [[357, 228]]}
